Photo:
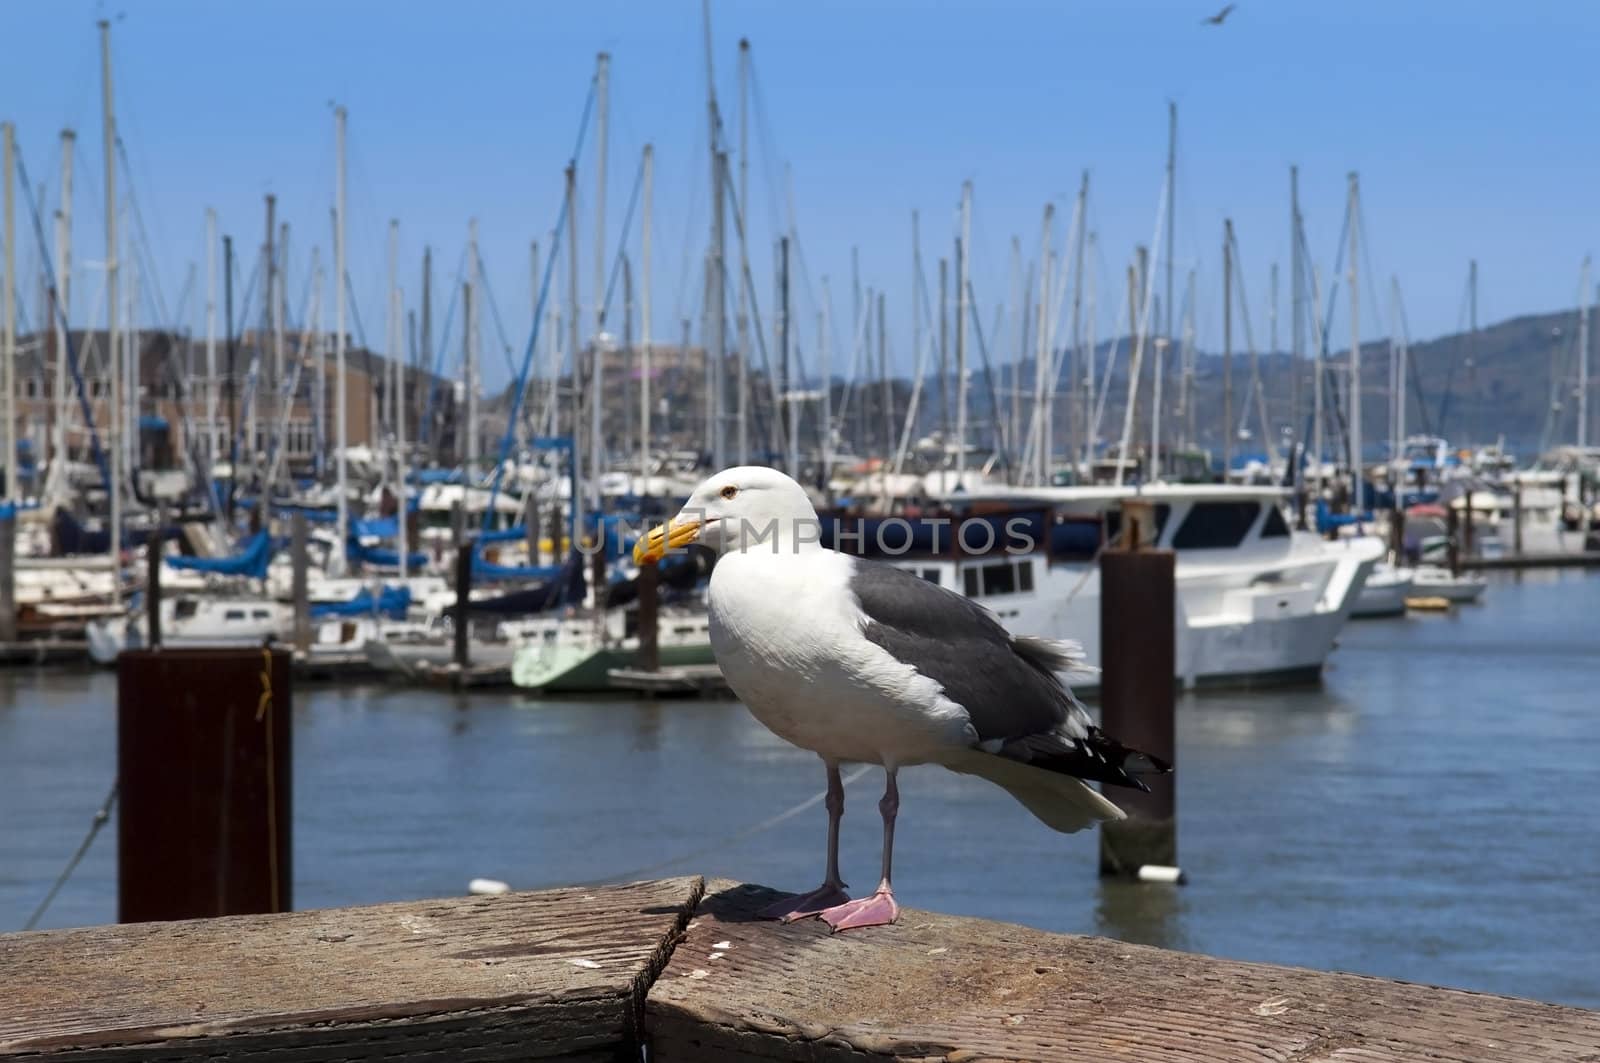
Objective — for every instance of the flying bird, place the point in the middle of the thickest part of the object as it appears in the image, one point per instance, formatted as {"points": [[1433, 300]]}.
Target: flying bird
{"points": [[859, 661], [1219, 17]]}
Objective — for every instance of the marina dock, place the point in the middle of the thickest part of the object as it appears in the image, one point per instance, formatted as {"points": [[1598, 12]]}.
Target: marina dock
{"points": [[681, 969]]}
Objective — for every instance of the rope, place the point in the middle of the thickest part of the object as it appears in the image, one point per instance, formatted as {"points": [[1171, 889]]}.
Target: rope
{"points": [[102, 814], [264, 716], [633, 874]]}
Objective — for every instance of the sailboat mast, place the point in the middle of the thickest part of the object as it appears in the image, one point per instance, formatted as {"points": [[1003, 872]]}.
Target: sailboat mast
{"points": [[1583, 356], [8, 337], [1077, 312], [341, 428], [1355, 345], [1227, 346], [1397, 373], [63, 303], [825, 369], [1042, 384], [1172, 225], [1187, 402], [109, 135], [602, 80], [211, 334], [644, 314], [575, 423], [472, 320], [743, 323], [1297, 289], [1319, 341], [397, 398], [718, 353], [962, 249]]}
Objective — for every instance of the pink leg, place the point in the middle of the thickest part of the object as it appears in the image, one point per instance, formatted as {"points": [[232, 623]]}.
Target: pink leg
{"points": [[880, 908], [831, 893]]}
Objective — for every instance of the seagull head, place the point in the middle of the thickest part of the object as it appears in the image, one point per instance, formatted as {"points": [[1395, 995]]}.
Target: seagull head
{"points": [[746, 508]]}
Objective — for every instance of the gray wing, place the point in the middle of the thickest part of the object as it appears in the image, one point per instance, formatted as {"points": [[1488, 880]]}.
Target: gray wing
{"points": [[1007, 683]]}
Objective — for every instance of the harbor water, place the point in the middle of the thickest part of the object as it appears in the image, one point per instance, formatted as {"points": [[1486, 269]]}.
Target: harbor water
{"points": [[1430, 812]]}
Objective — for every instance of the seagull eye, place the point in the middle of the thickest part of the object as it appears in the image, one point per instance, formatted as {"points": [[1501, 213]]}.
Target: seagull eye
{"points": [[729, 491]]}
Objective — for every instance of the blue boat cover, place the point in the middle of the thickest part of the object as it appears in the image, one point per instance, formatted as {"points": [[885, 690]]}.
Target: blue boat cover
{"points": [[251, 561], [391, 602]]}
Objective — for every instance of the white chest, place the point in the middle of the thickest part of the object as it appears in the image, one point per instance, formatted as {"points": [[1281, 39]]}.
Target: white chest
{"points": [[788, 638]]}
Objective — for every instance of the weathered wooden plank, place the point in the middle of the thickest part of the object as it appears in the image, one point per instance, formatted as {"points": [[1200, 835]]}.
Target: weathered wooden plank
{"points": [[558, 974], [940, 987]]}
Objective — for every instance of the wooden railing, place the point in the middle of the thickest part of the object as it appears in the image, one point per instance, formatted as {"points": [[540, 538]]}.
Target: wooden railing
{"points": [[676, 970]]}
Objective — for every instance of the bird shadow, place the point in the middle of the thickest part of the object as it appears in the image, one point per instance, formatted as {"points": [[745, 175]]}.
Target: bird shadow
{"points": [[739, 903]]}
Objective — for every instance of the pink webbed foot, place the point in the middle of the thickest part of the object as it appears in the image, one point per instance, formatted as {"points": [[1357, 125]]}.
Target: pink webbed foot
{"points": [[876, 910], [806, 905]]}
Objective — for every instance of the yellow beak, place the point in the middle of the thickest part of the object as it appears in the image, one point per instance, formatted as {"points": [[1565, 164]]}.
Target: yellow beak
{"points": [[672, 536]]}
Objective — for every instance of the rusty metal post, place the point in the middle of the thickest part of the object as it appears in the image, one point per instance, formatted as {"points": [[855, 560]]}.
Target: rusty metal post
{"points": [[8, 572], [1397, 535], [463, 623], [649, 618], [1138, 651], [152, 582], [300, 583], [531, 520], [1452, 539], [205, 770], [597, 572], [1516, 518]]}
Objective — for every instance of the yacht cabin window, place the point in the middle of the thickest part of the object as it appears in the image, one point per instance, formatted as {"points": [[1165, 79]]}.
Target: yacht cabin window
{"points": [[1216, 525], [1275, 527], [1005, 577]]}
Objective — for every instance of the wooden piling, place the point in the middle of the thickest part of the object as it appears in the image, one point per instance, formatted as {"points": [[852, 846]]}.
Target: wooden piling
{"points": [[1138, 660], [558, 550], [8, 573], [1397, 535], [1516, 518], [301, 588], [204, 759], [1452, 539], [152, 581], [463, 621], [531, 522], [649, 618], [1466, 526]]}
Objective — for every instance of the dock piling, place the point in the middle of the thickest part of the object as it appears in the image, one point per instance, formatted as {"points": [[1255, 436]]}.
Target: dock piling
{"points": [[649, 618], [1138, 650], [1452, 539], [531, 522], [152, 589], [8, 572], [463, 623], [204, 759], [1516, 518], [301, 589]]}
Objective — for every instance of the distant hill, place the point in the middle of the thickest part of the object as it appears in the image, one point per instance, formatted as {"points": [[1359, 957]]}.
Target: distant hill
{"points": [[1470, 389]]}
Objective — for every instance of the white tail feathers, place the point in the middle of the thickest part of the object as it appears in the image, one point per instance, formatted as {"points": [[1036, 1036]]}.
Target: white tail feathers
{"points": [[1065, 657], [1061, 802]]}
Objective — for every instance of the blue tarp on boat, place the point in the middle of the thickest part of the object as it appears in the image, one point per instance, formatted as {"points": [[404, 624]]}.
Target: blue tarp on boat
{"points": [[251, 561], [383, 556], [391, 602], [488, 570]]}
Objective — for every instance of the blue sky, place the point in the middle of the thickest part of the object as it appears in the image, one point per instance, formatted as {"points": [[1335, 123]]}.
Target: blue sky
{"points": [[1469, 122]]}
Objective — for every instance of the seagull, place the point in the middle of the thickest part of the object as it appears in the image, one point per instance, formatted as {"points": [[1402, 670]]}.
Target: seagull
{"points": [[1219, 17], [861, 662]]}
